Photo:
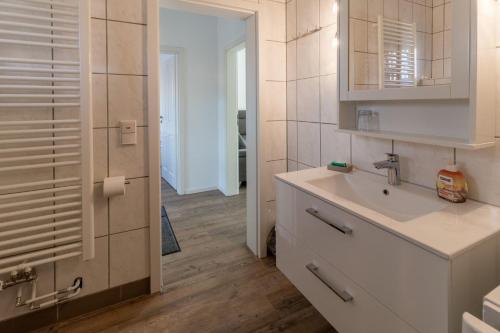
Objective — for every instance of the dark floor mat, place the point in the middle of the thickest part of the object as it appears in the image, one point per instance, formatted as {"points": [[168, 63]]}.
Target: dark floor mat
{"points": [[169, 242]]}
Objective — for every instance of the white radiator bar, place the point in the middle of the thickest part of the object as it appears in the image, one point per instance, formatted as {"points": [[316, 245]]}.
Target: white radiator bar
{"points": [[35, 263], [38, 9], [60, 138], [38, 148], [50, 182], [44, 219], [72, 4], [36, 26], [34, 246], [33, 34], [37, 17], [43, 234], [40, 253], [36, 192], [39, 61], [40, 227]]}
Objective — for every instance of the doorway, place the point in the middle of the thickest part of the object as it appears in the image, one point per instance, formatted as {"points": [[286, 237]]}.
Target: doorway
{"points": [[207, 141], [235, 120], [169, 113]]}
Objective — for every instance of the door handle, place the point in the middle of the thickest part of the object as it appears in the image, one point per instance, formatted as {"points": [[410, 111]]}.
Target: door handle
{"points": [[342, 228], [342, 294]]}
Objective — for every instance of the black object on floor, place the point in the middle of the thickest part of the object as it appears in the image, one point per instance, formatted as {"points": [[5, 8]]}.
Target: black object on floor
{"points": [[169, 242]]}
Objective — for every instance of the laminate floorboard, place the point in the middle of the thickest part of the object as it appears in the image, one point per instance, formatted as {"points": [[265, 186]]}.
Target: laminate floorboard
{"points": [[214, 285]]}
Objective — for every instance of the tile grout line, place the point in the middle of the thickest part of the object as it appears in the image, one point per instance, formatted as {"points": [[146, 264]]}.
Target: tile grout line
{"points": [[108, 145]]}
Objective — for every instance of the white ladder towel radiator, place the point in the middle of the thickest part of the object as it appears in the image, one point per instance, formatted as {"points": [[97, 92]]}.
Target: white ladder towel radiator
{"points": [[46, 180], [397, 53]]}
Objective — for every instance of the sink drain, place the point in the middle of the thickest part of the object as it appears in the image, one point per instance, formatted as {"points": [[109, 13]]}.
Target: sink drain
{"points": [[385, 191]]}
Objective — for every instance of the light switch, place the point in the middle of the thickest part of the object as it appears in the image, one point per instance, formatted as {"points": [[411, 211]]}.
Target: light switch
{"points": [[128, 129]]}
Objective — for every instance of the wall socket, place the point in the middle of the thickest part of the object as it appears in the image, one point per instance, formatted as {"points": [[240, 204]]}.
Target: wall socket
{"points": [[128, 130]]}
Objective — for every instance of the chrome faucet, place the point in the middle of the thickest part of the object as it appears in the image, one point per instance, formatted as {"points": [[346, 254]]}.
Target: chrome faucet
{"points": [[393, 168]]}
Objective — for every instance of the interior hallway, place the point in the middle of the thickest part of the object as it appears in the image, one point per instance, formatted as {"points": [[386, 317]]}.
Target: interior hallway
{"points": [[214, 284]]}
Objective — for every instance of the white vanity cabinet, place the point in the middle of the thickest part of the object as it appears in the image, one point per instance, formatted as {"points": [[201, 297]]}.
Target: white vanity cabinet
{"points": [[365, 279], [425, 71]]}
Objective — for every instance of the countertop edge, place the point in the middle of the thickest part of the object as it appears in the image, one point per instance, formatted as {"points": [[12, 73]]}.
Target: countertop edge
{"points": [[383, 226]]}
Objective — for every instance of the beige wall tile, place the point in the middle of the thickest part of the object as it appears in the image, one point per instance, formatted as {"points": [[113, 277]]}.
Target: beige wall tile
{"points": [[291, 61], [292, 140], [309, 141], [128, 160], [98, 45], [291, 20], [98, 8], [129, 256], [100, 211], [334, 146], [328, 51], [127, 10], [270, 169], [375, 8], [329, 99], [307, 16], [275, 147], [366, 151], [274, 21], [274, 100], [274, 64], [94, 272], [421, 163], [99, 100], [126, 48], [291, 100], [100, 154], [358, 9], [130, 211], [292, 166], [127, 99], [328, 12], [307, 56], [308, 97]]}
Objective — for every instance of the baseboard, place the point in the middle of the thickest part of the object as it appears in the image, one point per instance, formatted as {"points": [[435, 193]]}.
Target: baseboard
{"points": [[199, 190], [80, 306]]}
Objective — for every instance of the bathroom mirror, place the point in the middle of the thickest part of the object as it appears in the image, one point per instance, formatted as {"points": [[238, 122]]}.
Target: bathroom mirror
{"points": [[405, 49]]}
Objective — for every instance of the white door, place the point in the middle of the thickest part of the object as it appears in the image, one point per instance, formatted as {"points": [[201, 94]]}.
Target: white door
{"points": [[168, 118]]}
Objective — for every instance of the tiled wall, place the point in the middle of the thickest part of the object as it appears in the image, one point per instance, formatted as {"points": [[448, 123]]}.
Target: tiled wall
{"points": [[272, 107], [311, 85], [312, 109], [119, 90]]}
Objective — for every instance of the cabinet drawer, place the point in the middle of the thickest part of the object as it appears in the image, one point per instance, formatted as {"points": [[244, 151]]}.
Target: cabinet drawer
{"points": [[344, 304], [389, 268]]}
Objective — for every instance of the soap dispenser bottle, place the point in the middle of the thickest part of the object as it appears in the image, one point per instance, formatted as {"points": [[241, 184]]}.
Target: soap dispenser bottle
{"points": [[451, 184]]}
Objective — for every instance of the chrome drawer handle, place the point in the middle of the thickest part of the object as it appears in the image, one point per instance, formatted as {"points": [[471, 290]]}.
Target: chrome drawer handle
{"points": [[342, 228], [344, 295]]}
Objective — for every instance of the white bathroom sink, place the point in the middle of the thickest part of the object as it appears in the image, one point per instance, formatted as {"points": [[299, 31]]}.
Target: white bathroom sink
{"points": [[401, 203]]}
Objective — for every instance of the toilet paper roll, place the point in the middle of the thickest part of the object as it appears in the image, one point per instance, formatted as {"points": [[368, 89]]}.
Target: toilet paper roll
{"points": [[114, 186]]}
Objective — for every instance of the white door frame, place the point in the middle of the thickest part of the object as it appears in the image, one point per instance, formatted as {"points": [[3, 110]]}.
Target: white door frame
{"points": [[235, 8], [231, 141], [180, 140]]}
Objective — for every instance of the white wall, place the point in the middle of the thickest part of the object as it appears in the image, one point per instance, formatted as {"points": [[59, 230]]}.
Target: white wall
{"points": [[202, 38], [229, 34], [242, 80]]}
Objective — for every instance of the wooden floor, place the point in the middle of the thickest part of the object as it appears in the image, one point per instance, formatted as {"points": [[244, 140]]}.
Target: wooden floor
{"points": [[214, 284]]}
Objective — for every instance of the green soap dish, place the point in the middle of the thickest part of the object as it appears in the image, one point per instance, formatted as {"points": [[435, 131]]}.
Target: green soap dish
{"points": [[340, 167]]}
